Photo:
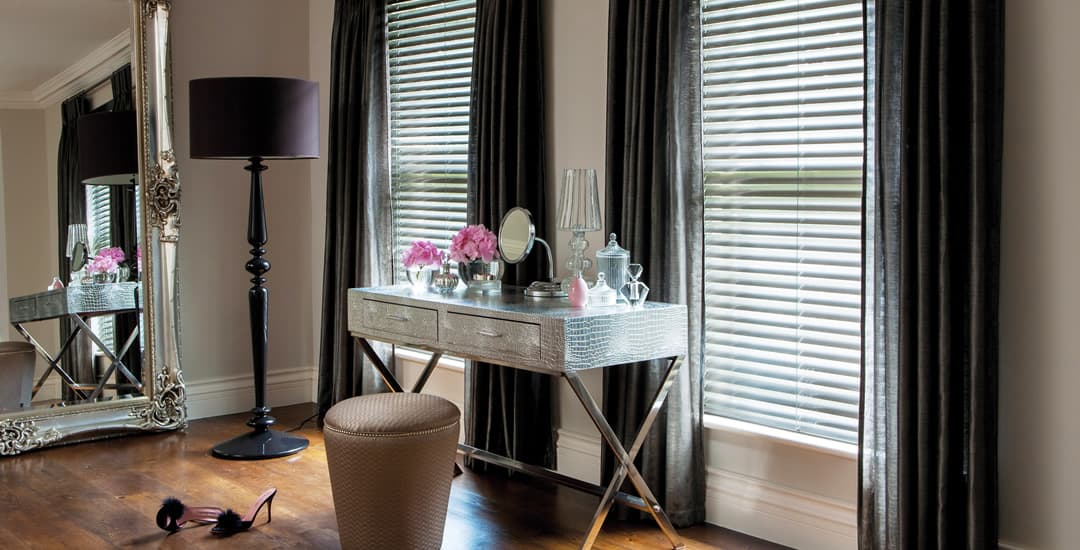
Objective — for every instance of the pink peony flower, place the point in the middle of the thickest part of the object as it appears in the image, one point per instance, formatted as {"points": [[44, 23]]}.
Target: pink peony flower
{"points": [[474, 242], [107, 260], [421, 253], [138, 258]]}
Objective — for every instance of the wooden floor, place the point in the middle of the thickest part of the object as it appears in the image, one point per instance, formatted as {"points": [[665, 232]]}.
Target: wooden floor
{"points": [[106, 494]]}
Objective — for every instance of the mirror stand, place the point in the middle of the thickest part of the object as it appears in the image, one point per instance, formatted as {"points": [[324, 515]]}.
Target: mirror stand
{"points": [[549, 288]]}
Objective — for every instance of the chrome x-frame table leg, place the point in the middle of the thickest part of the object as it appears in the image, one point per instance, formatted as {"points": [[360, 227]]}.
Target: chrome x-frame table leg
{"points": [[388, 377], [626, 458], [116, 364], [53, 362]]}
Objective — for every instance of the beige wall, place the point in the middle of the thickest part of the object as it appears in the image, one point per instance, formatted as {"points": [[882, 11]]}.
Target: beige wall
{"points": [[29, 211], [1039, 442], [4, 318], [320, 25], [240, 38]]}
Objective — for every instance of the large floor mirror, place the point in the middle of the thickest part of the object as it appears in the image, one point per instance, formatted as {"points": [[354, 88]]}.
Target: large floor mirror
{"points": [[87, 101]]}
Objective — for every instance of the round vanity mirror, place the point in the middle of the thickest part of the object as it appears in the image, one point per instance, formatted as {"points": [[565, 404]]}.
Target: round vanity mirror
{"points": [[516, 237]]}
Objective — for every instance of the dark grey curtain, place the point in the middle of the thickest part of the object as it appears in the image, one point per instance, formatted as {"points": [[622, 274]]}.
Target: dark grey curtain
{"points": [[71, 208], [510, 408], [123, 223], [928, 449], [655, 204], [358, 251]]}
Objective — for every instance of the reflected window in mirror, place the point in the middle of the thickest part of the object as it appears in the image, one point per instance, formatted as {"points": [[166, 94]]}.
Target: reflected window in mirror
{"points": [[429, 122]]}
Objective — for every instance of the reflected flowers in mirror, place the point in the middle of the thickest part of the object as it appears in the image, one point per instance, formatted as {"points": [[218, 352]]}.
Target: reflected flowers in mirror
{"points": [[106, 264]]}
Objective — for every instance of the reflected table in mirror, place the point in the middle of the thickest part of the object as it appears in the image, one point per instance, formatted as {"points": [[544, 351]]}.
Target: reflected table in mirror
{"points": [[79, 304], [540, 335]]}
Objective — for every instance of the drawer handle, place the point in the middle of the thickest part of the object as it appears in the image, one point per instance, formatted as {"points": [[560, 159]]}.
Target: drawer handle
{"points": [[401, 318], [489, 333]]}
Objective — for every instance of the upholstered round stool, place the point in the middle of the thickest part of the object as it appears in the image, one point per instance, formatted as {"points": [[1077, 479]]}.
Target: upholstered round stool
{"points": [[391, 459]]}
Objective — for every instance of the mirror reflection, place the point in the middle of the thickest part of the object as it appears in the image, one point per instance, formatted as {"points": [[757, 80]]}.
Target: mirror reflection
{"points": [[517, 235], [69, 259]]}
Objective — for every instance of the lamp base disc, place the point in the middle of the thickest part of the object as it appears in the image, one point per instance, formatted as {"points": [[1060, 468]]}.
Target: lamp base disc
{"points": [[544, 289], [257, 445]]}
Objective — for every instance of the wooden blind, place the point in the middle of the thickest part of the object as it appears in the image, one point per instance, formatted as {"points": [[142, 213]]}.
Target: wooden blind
{"points": [[783, 141]]}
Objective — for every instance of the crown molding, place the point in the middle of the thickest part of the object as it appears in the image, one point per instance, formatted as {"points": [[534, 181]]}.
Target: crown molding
{"points": [[18, 100], [84, 73]]}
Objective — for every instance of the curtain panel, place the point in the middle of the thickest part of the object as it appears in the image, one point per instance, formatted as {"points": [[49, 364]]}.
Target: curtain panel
{"points": [[655, 201], [124, 222], [510, 409], [928, 440], [358, 219], [71, 208]]}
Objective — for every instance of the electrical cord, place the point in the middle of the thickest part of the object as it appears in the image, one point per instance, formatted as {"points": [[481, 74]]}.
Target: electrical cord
{"points": [[305, 421]]}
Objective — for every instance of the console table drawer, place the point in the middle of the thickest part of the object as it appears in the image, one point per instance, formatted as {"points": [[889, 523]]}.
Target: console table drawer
{"points": [[22, 308], [404, 320], [490, 336]]}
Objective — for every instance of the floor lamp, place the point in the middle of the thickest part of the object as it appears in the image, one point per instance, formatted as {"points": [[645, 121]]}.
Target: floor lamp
{"points": [[255, 119]]}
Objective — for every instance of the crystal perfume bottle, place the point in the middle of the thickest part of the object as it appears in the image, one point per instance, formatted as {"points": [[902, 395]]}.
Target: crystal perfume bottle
{"points": [[634, 291], [444, 281]]}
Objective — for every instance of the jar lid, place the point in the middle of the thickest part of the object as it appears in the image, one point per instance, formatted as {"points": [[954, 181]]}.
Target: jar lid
{"points": [[613, 248]]}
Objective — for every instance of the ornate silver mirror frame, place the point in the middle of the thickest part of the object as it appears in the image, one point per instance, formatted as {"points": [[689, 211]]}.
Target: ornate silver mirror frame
{"points": [[162, 406]]}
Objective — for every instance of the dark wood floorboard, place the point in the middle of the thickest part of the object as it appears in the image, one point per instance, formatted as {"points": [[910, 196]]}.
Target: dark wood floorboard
{"points": [[105, 494]]}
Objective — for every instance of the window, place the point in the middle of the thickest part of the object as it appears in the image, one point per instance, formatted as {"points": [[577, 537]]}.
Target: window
{"points": [[430, 66], [782, 102], [98, 229]]}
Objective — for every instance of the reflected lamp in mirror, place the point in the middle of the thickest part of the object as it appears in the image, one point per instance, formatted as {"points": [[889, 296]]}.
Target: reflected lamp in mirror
{"points": [[252, 119], [517, 234], [77, 246], [579, 211], [108, 148]]}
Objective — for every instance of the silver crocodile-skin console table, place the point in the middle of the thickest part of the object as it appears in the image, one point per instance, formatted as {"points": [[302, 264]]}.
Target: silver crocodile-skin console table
{"points": [[540, 335], [79, 303]]}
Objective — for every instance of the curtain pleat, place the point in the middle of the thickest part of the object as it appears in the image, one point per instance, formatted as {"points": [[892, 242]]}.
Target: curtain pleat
{"points": [[928, 458], [123, 225], [655, 201], [358, 219], [71, 208], [510, 409]]}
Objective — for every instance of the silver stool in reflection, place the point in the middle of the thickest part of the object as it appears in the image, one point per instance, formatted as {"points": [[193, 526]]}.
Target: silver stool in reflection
{"points": [[16, 375], [391, 459]]}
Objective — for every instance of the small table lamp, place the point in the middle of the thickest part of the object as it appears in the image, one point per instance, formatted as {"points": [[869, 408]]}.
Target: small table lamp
{"points": [[256, 118], [108, 148], [579, 211]]}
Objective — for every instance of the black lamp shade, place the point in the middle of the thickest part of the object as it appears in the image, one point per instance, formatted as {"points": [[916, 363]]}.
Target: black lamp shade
{"points": [[249, 117], [108, 148]]}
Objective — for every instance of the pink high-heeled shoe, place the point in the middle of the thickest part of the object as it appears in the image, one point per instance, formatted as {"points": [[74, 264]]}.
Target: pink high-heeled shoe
{"points": [[230, 523], [173, 514]]}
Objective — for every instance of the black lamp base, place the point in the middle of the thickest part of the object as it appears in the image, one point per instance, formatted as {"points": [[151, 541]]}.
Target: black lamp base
{"points": [[260, 444]]}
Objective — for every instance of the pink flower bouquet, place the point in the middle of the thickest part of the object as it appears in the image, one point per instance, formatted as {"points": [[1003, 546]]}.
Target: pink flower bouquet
{"points": [[421, 253], [474, 242], [107, 260]]}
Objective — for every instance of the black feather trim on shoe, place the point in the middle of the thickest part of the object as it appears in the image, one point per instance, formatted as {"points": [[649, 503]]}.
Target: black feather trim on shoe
{"points": [[228, 522], [171, 510]]}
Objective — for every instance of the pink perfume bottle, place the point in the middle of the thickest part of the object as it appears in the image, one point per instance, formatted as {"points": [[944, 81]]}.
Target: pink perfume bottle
{"points": [[578, 292]]}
